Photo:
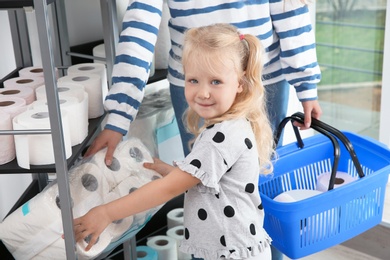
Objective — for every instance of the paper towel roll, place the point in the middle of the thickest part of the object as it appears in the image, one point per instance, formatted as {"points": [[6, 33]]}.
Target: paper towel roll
{"points": [[12, 105], [7, 148], [25, 93], [38, 149], [93, 86], [177, 233], [34, 71], [64, 89], [296, 195], [92, 68], [342, 178], [146, 253], [165, 247], [79, 118], [32, 82], [175, 218]]}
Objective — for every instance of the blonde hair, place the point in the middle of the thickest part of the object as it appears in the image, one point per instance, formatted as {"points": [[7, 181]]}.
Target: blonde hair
{"points": [[222, 43]]}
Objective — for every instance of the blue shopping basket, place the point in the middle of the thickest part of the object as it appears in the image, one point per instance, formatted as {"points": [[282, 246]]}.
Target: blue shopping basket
{"points": [[308, 226]]}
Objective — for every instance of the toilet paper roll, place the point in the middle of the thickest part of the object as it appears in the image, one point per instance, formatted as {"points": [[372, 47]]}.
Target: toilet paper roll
{"points": [[92, 85], [175, 218], [99, 51], [79, 118], [146, 253], [88, 188], [25, 93], [64, 89], [92, 68], [177, 233], [342, 178], [32, 82], [296, 195], [165, 247], [7, 148], [12, 105], [38, 149], [34, 71]]}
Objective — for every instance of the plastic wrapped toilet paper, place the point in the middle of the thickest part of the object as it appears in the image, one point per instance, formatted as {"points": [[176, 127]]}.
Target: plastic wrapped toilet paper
{"points": [[93, 86], [89, 187], [64, 89], [7, 148], [175, 218], [25, 93], [155, 111], [29, 229], [32, 82], [92, 68], [165, 246], [79, 118], [342, 178], [37, 149], [177, 233], [146, 253]]}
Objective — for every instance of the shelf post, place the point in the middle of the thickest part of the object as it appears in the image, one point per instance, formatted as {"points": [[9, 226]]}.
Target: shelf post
{"points": [[45, 33]]}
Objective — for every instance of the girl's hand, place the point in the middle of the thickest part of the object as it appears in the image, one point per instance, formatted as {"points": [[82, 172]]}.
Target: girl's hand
{"points": [[159, 166], [91, 225]]}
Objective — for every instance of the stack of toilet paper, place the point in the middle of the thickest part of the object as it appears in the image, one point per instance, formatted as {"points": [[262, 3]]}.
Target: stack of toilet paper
{"points": [[34, 230]]}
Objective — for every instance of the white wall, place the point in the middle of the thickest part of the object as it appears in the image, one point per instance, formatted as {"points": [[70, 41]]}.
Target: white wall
{"points": [[6, 48]]}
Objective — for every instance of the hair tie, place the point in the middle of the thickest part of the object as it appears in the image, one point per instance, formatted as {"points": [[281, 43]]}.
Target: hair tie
{"points": [[242, 37]]}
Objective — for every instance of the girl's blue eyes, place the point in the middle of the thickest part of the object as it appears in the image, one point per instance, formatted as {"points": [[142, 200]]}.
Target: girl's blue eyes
{"points": [[213, 82]]}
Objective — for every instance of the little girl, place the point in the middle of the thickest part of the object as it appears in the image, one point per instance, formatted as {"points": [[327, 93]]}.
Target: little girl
{"points": [[223, 214]]}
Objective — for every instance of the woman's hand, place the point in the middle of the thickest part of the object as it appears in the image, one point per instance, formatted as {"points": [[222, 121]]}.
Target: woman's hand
{"points": [[310, 109], [107, 138], [159, 166], [91, 225]]}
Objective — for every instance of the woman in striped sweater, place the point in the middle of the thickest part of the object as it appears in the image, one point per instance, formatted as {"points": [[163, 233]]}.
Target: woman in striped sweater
{"points": [[284, 28]]}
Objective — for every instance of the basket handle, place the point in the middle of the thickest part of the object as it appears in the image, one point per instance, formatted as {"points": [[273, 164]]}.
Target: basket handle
{"points": [[348, 145], [328, 131]]}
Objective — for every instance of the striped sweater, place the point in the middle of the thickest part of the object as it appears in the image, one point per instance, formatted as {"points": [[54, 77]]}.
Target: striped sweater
{"points": [[283, 26]]}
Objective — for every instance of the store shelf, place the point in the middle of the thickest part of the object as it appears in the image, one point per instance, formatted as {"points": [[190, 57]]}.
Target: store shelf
{"points": [[15, 4], [13, 167]]}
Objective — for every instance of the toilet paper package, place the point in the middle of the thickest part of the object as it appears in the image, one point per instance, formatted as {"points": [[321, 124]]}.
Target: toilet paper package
{"points": [[34, 230]]}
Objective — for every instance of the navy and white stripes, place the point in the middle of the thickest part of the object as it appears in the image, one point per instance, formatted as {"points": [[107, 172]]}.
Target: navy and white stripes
{"points": [[283, 26]]}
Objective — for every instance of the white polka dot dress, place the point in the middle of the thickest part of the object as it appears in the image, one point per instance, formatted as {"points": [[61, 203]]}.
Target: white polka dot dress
{"points": [[223, 215]]}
